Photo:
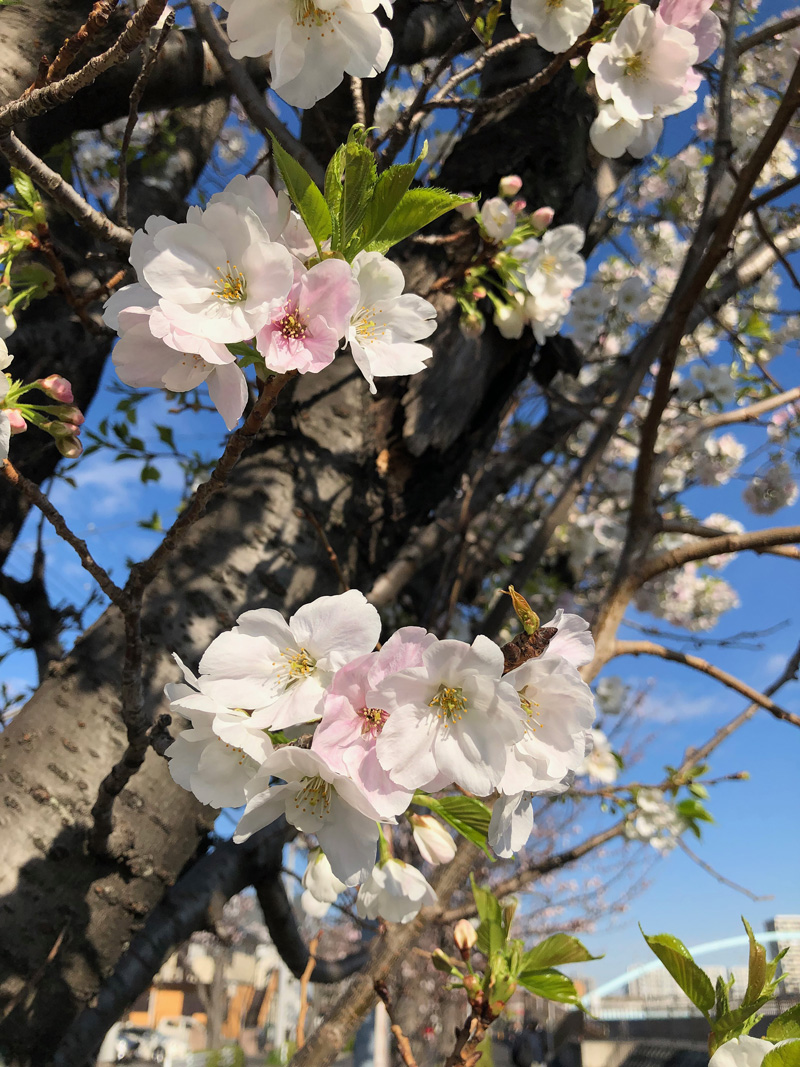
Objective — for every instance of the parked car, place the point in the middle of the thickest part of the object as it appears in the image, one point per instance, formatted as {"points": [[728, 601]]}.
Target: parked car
{"points": [[148, 1045]]}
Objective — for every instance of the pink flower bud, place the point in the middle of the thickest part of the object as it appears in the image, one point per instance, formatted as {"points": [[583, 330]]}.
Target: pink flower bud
{"points": [[510, 185], [70, 447], [479, 292], [465, 935], [542, 217], [73, 415], [56, 387], [18, 423], [518, 205], [72, 427]]}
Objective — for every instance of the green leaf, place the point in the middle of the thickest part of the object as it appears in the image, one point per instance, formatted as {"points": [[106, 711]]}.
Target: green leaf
{"points": [[783, 1056], [417, 208], [468, 815], [387, 195], [722, 1007], [24, 187], [692, 979], [150, 474], [307, 198], [357, 183], [556, 950], [333, 193], [757, 967], [737, 1022], [550, 984], [786, 1025], [492, 930], [165, 433]]}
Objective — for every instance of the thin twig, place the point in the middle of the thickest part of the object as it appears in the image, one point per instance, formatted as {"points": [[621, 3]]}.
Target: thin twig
{"points": [[752, 540], [304, 513], [719, 877], [35, 978], [766, 33], [62, 192], [58, 522], [133, 114], [74, 45], [50, 96], [650, 648], [745, 414]]}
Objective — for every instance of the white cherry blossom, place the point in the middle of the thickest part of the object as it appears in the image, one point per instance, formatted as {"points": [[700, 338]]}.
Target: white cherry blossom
{"points": [[600, 764], [553, 266], [395, 891], [5, 425], [557, 23], [454, 716], [218, 275], [511, 824], [644, 66], [387, 323], [497, 218], [744, 1051], [316, 800], [282, 670], [310, 45]]}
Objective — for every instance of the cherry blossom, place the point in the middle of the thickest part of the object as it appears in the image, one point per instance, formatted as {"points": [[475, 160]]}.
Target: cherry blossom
{"points": [[304, 333], [497, 218], [353, 717], [454, 716], [573, 642], [557, 23], [177, 360], [317, 800], [697, 17], [282, 670], [600, 764], [656, 822], [771, 491], [218, 275], [511, 824], [218, 755], [644, 66], [744, 1051], [310, 47], [387, 323], [395, 891], [5, 424], [559, 710]]}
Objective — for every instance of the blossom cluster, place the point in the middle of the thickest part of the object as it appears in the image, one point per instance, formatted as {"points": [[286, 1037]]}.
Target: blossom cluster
{"points": [[645, 72], [245, 271], [304, 719], [655, 821], [533, 270], [61, 420]]}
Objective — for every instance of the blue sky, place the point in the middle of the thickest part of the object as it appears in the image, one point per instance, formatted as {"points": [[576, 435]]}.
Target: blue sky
{"points": [[754, 838]]}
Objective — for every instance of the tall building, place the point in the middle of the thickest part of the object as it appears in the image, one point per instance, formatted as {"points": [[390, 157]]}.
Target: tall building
{"points": [[790, 964]]}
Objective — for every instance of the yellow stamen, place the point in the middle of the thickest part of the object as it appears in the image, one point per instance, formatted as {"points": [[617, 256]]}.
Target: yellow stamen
{"points": [[315, 791], [232, 285], [451, 702]]}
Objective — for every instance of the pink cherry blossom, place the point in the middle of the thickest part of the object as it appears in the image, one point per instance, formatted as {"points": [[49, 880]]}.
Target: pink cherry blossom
{"points": [[352, 718], [304, 333], [697, 17]]}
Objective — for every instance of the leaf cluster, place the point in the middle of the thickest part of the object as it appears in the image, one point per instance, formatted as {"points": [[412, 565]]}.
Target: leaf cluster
{"points": [[361, 210], [713, 1002]]}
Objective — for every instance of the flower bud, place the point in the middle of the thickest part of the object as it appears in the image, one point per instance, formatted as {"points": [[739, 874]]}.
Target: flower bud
{"points": [[510, 185], [431, 838], [465, 935], [472, 325], [542, 217], [70, 447], [467, 211], [479, 293], [56, 387], [518, 205], [509, 321], [17, 422], [73, 415]]}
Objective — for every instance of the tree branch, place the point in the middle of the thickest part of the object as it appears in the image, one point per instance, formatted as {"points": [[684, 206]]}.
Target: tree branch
{"points": [[49, 96], [650, 648], [21, 157], [753, 540]]}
